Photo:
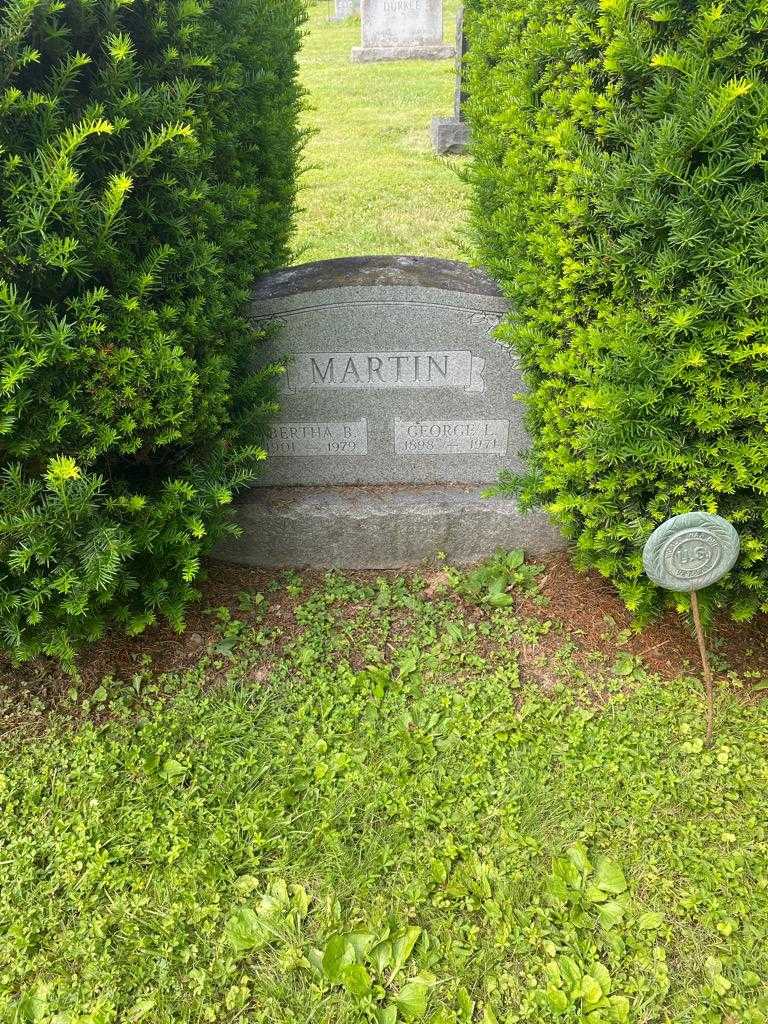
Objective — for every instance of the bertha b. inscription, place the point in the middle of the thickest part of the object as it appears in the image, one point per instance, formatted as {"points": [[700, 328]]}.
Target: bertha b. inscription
{"points": [[448, 369], [317, 439], [392, 374]]}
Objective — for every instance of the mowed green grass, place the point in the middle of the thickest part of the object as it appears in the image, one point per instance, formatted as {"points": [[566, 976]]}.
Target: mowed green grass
{"points": [[359, 808], [372, 183]]}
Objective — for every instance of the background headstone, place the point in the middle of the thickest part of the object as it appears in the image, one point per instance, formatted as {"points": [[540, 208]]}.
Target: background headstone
{"points": [[451, 134], [397, 407], [345, 9], [400, 30]]}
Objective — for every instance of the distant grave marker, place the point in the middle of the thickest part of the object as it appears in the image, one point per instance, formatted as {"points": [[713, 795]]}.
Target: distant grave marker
{"points": [[397, 407], [345, 9], [401, 30], [451, 134]]}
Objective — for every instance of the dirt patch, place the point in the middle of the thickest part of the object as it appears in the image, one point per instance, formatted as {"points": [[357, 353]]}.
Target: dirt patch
{"points": [[591, 612], [583, 608]]}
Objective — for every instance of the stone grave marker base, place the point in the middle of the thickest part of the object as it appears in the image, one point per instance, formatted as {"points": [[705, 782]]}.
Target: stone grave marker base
{"points": [[405, 51], [449, 135], [381, 527]]}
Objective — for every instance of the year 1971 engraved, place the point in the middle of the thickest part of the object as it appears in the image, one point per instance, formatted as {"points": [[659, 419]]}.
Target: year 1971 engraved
{"points": [[317, 439], [451, 437]]}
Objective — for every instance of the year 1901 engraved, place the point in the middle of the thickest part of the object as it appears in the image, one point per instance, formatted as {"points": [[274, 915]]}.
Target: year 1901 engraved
{"points": [[451, 437], [317, 439]]}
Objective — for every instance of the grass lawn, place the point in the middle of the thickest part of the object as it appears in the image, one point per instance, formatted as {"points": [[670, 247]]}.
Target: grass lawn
{"points": [[376, 800], [386, 800], [372, 182]]}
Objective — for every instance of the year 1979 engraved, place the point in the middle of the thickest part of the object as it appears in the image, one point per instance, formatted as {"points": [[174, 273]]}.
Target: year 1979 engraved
{"points": [[317, 439]]}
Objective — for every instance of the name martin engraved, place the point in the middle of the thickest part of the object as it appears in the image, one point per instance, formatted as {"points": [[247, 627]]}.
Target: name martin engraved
{"points": [[386, 370], [307, 439], [399, 351], [451, 437]]}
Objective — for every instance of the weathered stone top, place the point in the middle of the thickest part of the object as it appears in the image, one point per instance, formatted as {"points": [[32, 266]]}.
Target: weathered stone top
{"points": [[369, 271]]}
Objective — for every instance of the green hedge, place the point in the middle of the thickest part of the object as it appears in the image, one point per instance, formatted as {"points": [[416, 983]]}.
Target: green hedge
{"points": [[147, 175], [620, 196]]}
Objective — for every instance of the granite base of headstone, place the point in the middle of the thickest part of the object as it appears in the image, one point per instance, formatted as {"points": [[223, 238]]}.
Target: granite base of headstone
{"points": [[398, 409], [450, 135], [401, 30], [344, 9]]}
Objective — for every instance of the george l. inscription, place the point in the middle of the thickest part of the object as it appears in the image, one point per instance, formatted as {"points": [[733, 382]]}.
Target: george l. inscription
{"points": [[382, 370], [317, 439], [451, 437]]}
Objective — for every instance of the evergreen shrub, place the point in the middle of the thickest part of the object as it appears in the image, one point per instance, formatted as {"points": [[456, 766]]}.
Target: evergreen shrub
{"points": [[620, 195], [147, 174]]}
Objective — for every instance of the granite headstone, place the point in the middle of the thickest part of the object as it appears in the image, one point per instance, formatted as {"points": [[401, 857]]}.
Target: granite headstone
{"points": [[401, 30], [397, 407], [345, 9], [451, 134]]}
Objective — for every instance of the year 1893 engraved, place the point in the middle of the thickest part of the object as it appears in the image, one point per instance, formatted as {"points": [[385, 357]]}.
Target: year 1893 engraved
{"points": [[317, 439], [451, 437]]}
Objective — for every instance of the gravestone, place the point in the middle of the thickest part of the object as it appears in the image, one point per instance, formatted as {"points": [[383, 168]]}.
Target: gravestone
{"points": [[400, 30], [451, 134], [345, 9], [398, 408]]}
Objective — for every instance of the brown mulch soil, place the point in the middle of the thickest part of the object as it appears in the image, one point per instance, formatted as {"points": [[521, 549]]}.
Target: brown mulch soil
{"points": [[583, 606], [591, 612]]}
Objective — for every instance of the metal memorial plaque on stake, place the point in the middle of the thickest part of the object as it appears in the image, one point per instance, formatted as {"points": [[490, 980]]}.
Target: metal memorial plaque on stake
{"points": [[688, 553], [691, 552]]}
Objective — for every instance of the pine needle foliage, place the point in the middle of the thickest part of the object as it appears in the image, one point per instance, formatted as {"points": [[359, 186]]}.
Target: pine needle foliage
{"points": [[147, 174], [620, 195]]}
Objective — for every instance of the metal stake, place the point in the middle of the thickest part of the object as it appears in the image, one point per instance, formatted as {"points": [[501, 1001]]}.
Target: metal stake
{"points": [[705, 665]]}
